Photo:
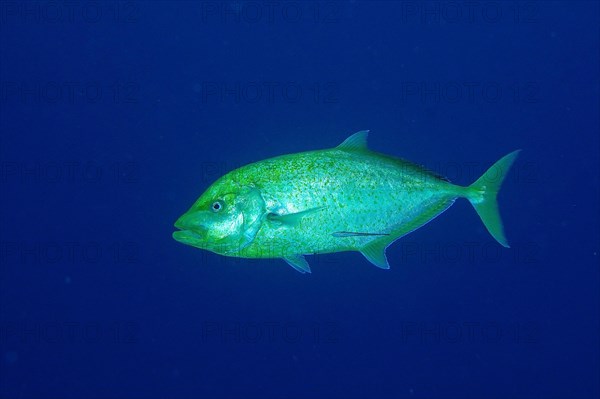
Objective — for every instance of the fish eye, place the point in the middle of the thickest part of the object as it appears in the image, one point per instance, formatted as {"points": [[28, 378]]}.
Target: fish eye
{"points": [[217, 206]]}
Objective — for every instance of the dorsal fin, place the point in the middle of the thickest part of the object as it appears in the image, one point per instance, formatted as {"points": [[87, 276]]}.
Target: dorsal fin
{"points": [[356, 142]]}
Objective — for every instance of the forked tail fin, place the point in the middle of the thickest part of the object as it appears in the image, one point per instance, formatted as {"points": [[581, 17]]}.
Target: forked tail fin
{"points": [[482, 195]]}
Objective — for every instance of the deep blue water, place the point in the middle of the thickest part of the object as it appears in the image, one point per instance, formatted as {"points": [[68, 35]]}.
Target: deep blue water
{"points": [[115, 117]]}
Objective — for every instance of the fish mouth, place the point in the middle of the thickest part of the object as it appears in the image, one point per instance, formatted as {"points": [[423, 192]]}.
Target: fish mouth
{"points": [[193, 238], [189, 233]]}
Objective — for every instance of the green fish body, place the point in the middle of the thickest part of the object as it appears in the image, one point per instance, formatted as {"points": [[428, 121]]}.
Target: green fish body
{"points": [[346, 198]]}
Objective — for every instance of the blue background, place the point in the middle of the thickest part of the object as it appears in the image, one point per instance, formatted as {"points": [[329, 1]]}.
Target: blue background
{"points": [[115, 117]]}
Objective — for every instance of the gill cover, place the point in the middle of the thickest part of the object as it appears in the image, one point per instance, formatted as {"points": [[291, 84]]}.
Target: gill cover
{"points": [[253, 209], [235, 226]]}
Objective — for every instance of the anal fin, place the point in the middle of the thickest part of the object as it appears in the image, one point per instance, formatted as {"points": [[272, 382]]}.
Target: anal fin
{"points": [[375, 250], [375, 253]]}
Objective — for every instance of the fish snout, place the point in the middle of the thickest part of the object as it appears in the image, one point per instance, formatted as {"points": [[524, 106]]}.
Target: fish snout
{"points": [[191, 222]]}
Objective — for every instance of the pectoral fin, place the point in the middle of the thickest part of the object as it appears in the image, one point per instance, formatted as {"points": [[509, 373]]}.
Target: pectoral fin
{"points": [[292, 219], [298, 262]]}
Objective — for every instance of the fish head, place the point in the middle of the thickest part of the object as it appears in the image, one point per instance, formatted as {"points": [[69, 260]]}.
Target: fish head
{"points": [[225, 219]]}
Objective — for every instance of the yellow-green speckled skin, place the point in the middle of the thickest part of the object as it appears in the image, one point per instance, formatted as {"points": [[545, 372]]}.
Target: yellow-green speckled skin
{"points": [[348, 190], [355, 191]]}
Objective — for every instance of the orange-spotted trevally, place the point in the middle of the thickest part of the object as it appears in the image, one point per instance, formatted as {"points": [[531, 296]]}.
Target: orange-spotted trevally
{"points": [[347, 198]]}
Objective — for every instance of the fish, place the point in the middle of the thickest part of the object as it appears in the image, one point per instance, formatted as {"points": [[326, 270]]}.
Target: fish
{"points": [[345, 198]]}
